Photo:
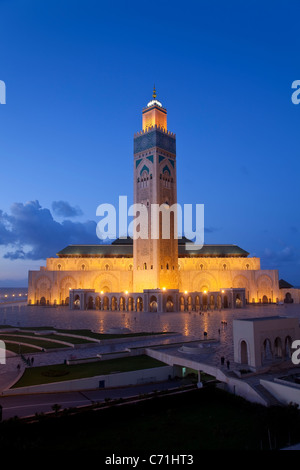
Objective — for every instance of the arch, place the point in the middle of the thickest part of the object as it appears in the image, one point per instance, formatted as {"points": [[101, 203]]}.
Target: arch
{"points": [[122, 303], [288, 299], [90, 304], [238, 301], [204, 281], [288, 347], [108, 280], [139, 304], [144, 168], [244, 352], [105, 303], [189, 302], [98, 302], [114, 303], [153, 304], [204, 300], [278, 347], [197, 302], [166, 169], [181, 303], [170, 304], [77, 301], [265, 299], [240, 282], [225, 301], [212, 301], [219, 301], [130, 304], [66, 283], [42, 301], [267, 351]]}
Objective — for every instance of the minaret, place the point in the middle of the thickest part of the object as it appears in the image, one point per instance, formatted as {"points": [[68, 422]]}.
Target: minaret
{"points": [[155, 258]]}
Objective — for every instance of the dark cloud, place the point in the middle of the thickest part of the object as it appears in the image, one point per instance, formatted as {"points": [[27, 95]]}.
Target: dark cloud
{"points": [[64, 209], [30, 232]]}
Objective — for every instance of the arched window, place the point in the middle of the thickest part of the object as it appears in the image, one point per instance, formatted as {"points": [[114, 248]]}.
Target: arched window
{"points": [[106, 267], [167, 266], [145, 265], [59, 267], [224, 267], [130, 267], [83, 267]]}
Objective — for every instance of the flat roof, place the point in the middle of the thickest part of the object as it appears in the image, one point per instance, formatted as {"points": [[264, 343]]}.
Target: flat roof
{"points": [[124, 248]]}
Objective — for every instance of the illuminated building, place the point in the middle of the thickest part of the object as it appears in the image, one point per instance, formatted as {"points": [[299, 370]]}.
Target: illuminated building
{"points": [[157, 274]]}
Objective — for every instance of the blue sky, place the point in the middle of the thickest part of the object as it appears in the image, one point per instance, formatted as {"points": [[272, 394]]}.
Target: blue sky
{"points": [[78, 74]]}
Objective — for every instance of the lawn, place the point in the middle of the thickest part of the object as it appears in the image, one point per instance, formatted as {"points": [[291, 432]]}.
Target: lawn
{"points": [[34, 341], [60, 372]]}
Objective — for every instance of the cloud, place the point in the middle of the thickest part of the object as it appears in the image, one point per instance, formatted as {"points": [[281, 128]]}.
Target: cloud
{"points": [[30, 232], [64, 209], [276, 258]]}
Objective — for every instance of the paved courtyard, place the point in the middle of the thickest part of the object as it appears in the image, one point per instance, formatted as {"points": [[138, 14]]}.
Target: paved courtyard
{"points": [[192, 325]]}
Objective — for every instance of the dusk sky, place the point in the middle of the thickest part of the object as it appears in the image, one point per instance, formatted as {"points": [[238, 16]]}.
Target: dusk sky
{"points": [[78, 74]]}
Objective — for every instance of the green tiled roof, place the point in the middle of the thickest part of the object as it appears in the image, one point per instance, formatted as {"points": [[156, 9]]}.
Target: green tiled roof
{"points": [[123, 248]]}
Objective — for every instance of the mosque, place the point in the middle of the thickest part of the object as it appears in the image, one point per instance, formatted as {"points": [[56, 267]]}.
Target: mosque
{"points": [[153, 274]]}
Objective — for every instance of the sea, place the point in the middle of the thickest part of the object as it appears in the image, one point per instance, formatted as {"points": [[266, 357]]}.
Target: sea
{"points": [[13, 294]]}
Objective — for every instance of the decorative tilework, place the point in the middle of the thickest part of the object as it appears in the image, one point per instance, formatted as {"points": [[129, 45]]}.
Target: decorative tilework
{"points": [[172, 162], [145, 168], [160, 158], [155, 138], [166, 168], [137, 162], [150, 158]]}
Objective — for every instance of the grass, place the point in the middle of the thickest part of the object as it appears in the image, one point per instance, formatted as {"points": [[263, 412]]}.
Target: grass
{"points": [[46, 374], [15, 348], [33, 341]]}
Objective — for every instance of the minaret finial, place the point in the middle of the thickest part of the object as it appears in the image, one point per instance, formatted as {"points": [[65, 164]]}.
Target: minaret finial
{"points": [[154, 92]]}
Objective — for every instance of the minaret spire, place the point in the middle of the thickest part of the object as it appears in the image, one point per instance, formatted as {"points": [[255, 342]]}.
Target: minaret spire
{"points": [[154, 92]]}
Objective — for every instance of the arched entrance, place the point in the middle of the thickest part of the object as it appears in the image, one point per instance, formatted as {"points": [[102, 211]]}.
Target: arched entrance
{"points": [[42, 301], [139, 304], [288, 298], [238, 301], [265, 299], [105, 303], [225, 301], [67, 300], [244, 352], [181, 301], [153, 304], [90, 305], [114, 304], [98, 303], [288, 347], [170, 304], [267, 351], [122, 304], [77, 301], [278, 347]]}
